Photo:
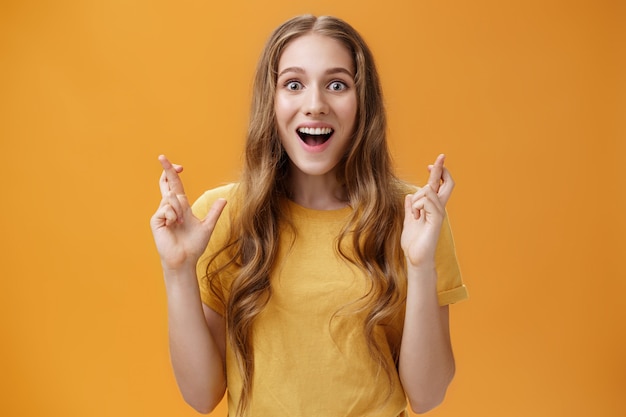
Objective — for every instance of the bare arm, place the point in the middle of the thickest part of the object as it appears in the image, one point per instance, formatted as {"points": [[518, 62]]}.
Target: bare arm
{"points": [[426, 364], [196, 333], [426, 360]]}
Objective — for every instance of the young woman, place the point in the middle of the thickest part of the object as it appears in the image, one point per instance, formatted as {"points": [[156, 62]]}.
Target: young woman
{"points": [[322, 289]]}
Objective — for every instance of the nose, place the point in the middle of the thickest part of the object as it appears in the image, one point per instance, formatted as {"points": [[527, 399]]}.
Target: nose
{"points": [[315, 102]]}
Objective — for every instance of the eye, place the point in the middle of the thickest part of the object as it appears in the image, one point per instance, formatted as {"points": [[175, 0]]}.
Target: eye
{"points": [[293, 85], [337, 86]]}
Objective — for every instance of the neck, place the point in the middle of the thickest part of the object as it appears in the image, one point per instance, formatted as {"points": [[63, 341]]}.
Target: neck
{"points": [[318, 192]]}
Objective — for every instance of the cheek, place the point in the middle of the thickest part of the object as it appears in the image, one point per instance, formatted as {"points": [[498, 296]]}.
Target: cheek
{"points": [[277, 109], [282, 108], [281, 119], [348, 111]]}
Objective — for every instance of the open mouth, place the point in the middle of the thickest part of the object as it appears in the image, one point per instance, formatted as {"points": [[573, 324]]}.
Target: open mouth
{"points": [[315, 136]]}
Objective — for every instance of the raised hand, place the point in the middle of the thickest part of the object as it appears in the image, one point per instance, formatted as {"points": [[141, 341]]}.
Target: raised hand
{"points": [[180, 237], [424, 214]]}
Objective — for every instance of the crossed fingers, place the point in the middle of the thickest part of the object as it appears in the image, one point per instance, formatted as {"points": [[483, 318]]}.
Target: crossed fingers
{"points": [[436, 193], [174, 201]]}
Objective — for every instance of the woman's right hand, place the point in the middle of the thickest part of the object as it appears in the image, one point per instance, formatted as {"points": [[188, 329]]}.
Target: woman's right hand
{"points": [[180, 237]]}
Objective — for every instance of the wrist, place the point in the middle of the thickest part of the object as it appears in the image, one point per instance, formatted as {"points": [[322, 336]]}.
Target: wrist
{"points": [[421, 266], [178, 266], [183, 273], [422, 272]]}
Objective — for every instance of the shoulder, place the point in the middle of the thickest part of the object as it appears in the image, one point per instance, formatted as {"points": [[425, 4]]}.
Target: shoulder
{"points": [[202, 205], [222, 232], [223, 191]]}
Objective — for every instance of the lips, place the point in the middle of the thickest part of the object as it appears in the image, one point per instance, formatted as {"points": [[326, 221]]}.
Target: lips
{"points": [[315, 136]]}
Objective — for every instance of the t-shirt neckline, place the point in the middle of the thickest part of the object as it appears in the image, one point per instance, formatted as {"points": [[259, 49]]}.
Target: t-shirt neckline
{"points": [[297, 210]]}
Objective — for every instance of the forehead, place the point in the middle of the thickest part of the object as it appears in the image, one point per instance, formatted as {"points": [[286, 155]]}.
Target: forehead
{"points": [[313, 52]]}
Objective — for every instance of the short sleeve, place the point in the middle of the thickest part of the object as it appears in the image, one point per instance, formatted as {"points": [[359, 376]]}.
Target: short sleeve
{"points": [[213, 293], [450, 286]]}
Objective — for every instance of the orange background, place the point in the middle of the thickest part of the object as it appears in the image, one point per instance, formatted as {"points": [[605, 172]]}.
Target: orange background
{"points": [[527, 98]]}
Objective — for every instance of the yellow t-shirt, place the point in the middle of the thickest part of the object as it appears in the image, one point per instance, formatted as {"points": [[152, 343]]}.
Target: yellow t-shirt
{"points": [[311, 357]]}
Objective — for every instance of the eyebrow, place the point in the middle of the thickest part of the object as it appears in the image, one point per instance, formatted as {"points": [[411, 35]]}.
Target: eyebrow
{"points": [[335, 70]]}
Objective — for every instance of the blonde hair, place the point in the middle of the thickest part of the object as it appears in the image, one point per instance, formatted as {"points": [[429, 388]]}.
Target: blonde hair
{"points": [[373, 191]]}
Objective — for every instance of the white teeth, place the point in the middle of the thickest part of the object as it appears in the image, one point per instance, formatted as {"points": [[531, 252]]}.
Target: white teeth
{"points": [[315, 130]]}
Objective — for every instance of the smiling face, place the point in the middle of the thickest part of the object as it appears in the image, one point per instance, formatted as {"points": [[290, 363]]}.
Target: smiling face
{"points": [[315, 104]]}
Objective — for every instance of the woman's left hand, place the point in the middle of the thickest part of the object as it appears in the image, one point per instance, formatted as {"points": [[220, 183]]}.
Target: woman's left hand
{"points": [[424, 212]]}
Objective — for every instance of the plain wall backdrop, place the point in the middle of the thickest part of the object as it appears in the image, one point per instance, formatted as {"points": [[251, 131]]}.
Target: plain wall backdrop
{"points": [[527, 99]]}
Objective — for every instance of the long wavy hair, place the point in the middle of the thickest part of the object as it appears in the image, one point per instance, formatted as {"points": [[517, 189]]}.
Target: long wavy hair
{"points": [[375, 194]]}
